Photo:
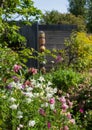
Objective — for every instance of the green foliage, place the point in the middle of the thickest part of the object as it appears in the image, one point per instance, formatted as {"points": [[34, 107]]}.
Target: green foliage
{"points": [[89, 15], [77, 7], [55, 17], [23, 10], [7, 60], [66, 79], [79, 51], [20, 10], [13, 45], [82, 8]]}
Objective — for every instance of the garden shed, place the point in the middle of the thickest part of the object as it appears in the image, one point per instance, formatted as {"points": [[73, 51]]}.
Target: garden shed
{"points": [[54, 34]]}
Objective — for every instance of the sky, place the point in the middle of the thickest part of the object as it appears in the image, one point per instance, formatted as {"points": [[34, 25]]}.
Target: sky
{"points": [[48, 5]]}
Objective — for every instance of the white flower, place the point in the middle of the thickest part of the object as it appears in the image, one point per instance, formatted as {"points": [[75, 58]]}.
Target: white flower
{"points": [[18, 128], [12, 99], [28, 100], [13, 84], [33, 81], [29, 94], [44, 105], [55, 90], [41, 79], [42, 93], [49, 83], [29, 89], [19, 114], [44, 62], [38, 85], [19, 85], [49, 95], [52, 62], [20, 125], [36, 94], [52, 106], [31, 123], [14, 106]]}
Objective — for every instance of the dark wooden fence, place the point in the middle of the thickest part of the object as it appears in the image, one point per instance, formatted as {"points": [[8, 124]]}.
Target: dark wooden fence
{"points": [[55, 36]]}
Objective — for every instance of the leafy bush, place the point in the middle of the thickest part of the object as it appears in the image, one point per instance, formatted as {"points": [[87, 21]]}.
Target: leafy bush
{"points": [[79, 51], [7, 60], [66, 79]]}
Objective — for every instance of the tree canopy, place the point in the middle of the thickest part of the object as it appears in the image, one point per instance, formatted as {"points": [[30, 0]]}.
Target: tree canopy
{"points": [[84, 9], [77, 7], [55, 17]]}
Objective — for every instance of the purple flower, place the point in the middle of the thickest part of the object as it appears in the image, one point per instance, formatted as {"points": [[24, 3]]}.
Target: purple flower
{"points": [[42, 112], [9, 87], [49, 125], [81, 110], [15, 78]]}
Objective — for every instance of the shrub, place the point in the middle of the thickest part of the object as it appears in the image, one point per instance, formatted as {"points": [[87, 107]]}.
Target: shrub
{"points": [[79, 51], [66, 79], [7, 60]]}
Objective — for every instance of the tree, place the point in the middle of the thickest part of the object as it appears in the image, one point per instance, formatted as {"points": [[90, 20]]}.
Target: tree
{"points": [[55, 17], [77, 7], [12, 45], [10, 12], [89, 15]]}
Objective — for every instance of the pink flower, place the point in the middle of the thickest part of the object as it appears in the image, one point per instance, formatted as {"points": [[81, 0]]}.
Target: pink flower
{"points": [[68, 115], [66, 128], [16, 68], [59, 58], [70, 103], [32, 71], [72, 121], [52, 101], [49, 125], [81, 110], [62, 99], [64, 106]]}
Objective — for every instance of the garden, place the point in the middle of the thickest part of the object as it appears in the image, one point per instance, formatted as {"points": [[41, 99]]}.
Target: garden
{"points": [[37, 99]]}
